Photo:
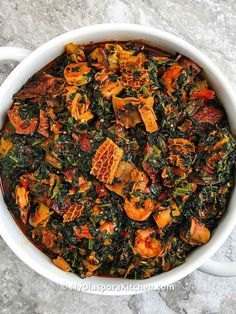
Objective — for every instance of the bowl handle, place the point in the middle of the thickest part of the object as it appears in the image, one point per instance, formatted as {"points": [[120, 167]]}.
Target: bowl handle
{"points": [[219, 269], [13, 53]]}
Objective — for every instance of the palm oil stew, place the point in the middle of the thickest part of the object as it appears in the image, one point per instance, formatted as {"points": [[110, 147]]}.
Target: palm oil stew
{"points": [[117, 159]]}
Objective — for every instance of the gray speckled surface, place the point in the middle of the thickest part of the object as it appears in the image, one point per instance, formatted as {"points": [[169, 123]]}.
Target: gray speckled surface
{"points": [[208, 24]]}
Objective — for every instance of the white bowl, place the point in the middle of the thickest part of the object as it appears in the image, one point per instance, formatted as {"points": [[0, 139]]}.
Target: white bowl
{"points": [[14, 237]]}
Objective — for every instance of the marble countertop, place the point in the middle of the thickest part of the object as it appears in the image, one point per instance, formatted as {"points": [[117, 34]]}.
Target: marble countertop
{"points": [[208, 24]]}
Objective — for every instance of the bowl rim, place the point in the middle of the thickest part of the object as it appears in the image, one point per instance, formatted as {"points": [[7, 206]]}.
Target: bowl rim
{"points": [[24, 251]]}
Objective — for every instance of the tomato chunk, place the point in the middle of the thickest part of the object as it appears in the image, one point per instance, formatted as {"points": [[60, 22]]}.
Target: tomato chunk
{"points": [[203, 94]]}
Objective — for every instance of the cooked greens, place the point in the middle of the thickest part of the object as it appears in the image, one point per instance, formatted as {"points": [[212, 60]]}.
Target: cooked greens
{"points": [[117, 159]]}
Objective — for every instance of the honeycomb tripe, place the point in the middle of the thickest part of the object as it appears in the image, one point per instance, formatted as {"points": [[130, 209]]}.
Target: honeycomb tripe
{"points": [[106, 161]]}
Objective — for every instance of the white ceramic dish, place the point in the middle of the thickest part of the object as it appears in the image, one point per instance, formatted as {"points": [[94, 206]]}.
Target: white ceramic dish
{"points": [[34, 61]]}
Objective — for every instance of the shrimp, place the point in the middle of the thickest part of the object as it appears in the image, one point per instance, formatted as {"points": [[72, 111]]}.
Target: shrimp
{"points": [[108, 227], [77, 73], [82, 232], [138, 210], [146, 245], [170, 77], [140, 181], [75, 52], [21, 126], [99, 57], [22, 200]]}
